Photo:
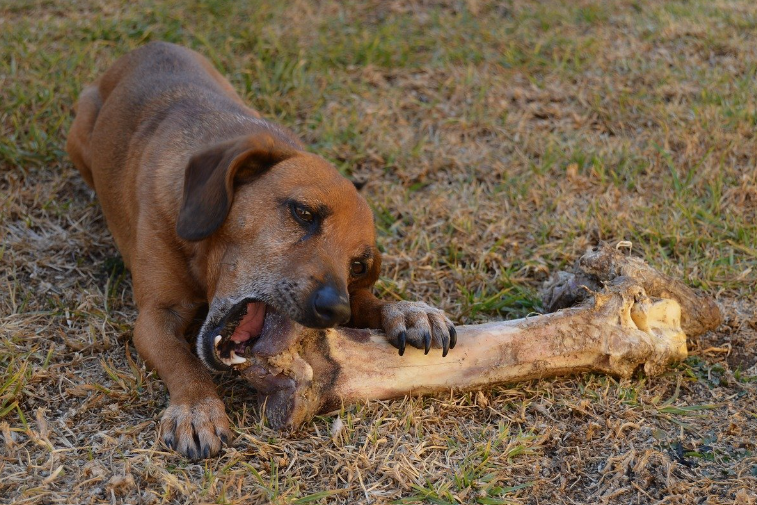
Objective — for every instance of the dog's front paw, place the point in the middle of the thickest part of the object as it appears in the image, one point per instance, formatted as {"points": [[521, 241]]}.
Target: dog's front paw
{"points": [[419, 325], [197, 429]]}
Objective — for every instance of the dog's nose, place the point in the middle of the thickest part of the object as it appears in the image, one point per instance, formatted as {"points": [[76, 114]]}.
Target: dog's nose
{"points": [[330, 307]]}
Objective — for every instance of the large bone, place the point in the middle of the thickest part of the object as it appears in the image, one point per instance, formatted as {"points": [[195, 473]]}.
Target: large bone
{"points": [[616, 331]]}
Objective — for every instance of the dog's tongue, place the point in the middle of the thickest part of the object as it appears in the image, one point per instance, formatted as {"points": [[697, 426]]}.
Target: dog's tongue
{"points": [[251, 324]]}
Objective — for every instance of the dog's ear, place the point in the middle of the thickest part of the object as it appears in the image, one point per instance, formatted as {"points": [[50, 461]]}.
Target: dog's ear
{"points": [[209, 180]]}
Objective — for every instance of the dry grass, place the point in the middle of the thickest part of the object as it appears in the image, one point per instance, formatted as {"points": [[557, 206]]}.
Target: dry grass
{"points": [[498, 139]]}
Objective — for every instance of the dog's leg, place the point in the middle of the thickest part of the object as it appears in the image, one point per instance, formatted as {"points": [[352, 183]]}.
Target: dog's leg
{"points": [[413, 323], [195, 423]]}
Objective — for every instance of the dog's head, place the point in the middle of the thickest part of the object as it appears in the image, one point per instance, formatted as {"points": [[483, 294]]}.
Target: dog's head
{"points": [[287, 239]]}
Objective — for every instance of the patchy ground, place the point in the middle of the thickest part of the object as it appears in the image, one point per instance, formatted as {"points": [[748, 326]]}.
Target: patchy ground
{"points": [[498, 140]]}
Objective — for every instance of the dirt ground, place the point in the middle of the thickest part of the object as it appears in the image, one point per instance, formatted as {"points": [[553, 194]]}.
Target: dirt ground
{"points": [[497, 141]]}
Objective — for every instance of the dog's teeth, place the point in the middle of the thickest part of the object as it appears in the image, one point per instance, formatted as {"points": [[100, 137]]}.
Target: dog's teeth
{"points": [[233, 359], [236, 360]]}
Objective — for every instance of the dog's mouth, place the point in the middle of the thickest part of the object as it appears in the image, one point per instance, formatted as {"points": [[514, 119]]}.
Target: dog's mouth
{"points": [[243, 324], [249, 326]]}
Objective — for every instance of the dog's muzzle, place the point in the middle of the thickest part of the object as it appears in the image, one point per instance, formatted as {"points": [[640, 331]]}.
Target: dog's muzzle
{"points": [[246, 326]]}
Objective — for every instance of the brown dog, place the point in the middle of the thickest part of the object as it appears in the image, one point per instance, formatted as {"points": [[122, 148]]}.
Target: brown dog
{"points": [[214, 208]]}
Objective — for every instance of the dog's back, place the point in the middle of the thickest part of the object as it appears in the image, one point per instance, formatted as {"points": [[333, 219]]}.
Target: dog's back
{"points": [[135, 95]]}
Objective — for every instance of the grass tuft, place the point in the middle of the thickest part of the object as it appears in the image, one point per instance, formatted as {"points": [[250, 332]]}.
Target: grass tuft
{"points": [[498, 140]]}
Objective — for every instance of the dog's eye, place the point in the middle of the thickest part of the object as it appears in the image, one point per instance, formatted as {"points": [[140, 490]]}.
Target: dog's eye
{"points": [[302, 214], [358, 268]]}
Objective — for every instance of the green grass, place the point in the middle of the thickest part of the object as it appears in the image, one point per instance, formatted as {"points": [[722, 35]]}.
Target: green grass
{"points": [[499, 140]]}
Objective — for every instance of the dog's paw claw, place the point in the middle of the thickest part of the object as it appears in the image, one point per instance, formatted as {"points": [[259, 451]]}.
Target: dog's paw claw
{"points": [[196, 430], [419, 325], [426, 342], [168, 440]]}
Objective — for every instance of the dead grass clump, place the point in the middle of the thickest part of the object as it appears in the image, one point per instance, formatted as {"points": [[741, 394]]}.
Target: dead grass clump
{"points": [[497, 141]]}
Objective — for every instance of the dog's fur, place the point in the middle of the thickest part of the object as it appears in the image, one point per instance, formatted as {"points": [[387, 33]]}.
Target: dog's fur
{"points": [[206, 201]]}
